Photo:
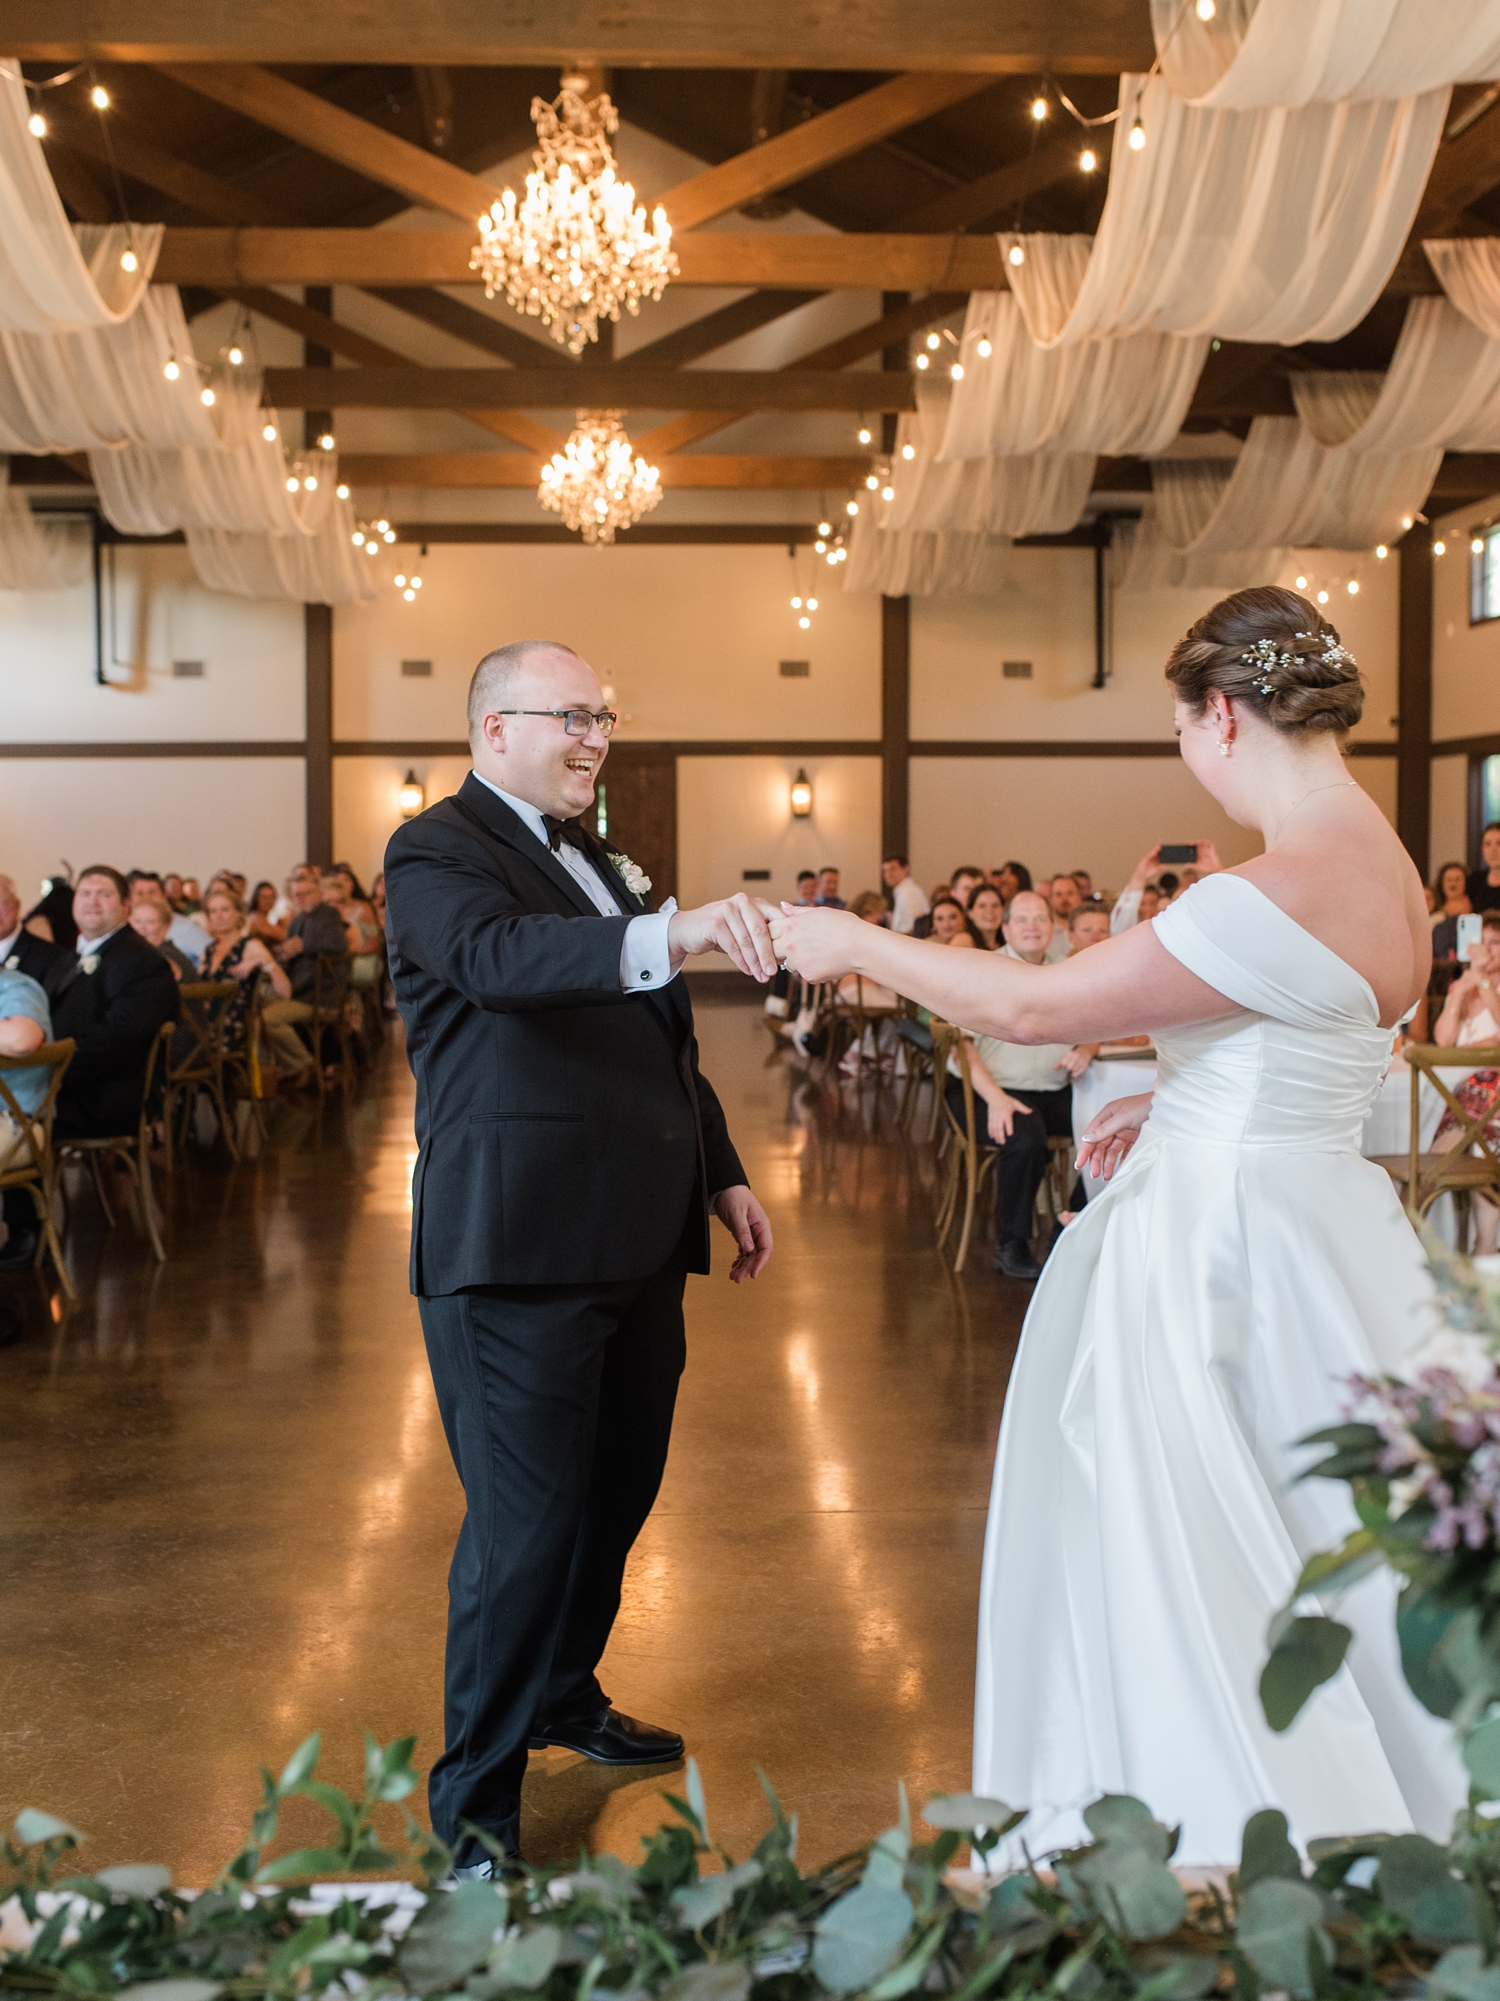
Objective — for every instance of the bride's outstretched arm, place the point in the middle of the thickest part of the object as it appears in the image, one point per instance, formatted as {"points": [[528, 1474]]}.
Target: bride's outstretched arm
{"points": [[1120, 987]]}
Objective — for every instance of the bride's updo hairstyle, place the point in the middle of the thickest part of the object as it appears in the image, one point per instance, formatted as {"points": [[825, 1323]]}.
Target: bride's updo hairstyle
{"points": [[1276, 653]]}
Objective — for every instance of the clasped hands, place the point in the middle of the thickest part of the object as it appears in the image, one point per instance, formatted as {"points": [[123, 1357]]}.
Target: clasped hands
{"points": [[816, 944]]}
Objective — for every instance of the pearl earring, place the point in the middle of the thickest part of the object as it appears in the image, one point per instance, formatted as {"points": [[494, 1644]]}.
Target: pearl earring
{"points": [[1223, 746]]}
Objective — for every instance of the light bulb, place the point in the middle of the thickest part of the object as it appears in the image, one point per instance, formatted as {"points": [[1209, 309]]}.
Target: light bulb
{"points": [[934, 342], [1302, 583], [390, 534], [400, 579], [236, 356], [416, 584], [1205, 10], [311, 482], [908, 451], [342, 492], [1039, 108], [268, 432], [804, 622], [382, 524], [36, 125], [984, 350], [207, 398], [812, 604], [1353, 587], [796, 604], [172, 371], [325, 443], [921, 361], [888, 493], [825, 527], [1322, 597], [843, 555], [1440, 548], [851, 507], [872, 480], [1381, 552], [1406, 521], [358, 538], [1477, 545], [820, 546], [293, 485], [1088, 159], [1137, 137], [99, 97], [957, 371], [833, 558], [864, 434], [129, 261], [1015, 254], [409, 594]]}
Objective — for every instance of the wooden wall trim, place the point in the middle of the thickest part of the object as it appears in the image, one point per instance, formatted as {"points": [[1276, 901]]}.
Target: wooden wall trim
{"points": [[1414, 697], [655, 747], [1467, 746], [661, 747], [217, 748], [1086, 747]]}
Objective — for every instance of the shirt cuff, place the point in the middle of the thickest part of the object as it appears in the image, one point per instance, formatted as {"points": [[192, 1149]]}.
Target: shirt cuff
{"points": [[645, 958], [1126, 911]]}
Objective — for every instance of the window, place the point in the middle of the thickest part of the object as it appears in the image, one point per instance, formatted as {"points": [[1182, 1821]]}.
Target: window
{"points": [[1484, 575], [1489, 791]]}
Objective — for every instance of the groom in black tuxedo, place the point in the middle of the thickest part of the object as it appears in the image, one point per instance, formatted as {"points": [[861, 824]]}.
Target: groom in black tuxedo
{"points": [[570, 1154]]}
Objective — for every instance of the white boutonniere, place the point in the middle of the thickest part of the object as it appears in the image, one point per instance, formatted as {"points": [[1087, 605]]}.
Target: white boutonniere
{"points": [[89, 963], [634, 877], [12, 962]]}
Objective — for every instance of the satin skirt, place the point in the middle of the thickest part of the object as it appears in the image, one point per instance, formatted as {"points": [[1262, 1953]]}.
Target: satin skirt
{"points": [[1147, 1522]]}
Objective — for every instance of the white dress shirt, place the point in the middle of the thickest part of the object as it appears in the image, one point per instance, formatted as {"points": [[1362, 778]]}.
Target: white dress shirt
{"points": [[8, 945], [1126, 913], [645, 956], [909, 901], [84, 946]]}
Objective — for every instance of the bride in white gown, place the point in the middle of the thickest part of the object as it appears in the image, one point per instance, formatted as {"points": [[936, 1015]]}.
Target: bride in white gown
{"points": [[1201, 1314]]}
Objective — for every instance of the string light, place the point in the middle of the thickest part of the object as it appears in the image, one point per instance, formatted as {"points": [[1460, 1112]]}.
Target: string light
{"points": [[390, 534], [1302, 583], [36, 125], [1205, 10], [129, 261], [957, 371], [172, 370], [984, 349], [820, 545], [888, 493], [207, 398], [1016, 255], [1088, 159], [1039, 109], [342, 492], [864, 434], [1322, 597], [872, 480], [99, 97], [1406, 521], [825, 527], [1440, 548], [796, 604], [400, 579], [358, 538], [311, 482], [851, 507], [934, 342], [921, 361], [268, 432], [1477, 545], [1353, 587], [804, 621], [908, 451], [293, 484], [1381, 552], [1137, 137], [325, 443], [812, 604], [409, 594]]}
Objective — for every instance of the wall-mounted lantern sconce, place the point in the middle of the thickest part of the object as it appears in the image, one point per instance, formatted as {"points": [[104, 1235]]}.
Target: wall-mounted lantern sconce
{"points": [[801, 796], [411, 796]]}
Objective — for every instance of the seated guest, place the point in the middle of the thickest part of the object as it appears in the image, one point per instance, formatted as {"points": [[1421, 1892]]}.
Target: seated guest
{"points": [[1063, 898], [1471, 1017], [258, 915], [1451, 904], [314, 927], [377, 897], [235, 954], [807, 888], [1484, 883], [192, 896], [963, 883], [342, 890], [853, 989], [121, 995], [1028, 1096], [189, 937], [1088, 925], [987, 914], [25, 1024], [908, 903], [151, 919], [1129, 907], [171, 884], [1084, 881], [1010, 877], [950, 923], [52, 917], [22, 951], [828, 889]]}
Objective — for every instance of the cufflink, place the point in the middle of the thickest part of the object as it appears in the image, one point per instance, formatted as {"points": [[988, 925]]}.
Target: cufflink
{"points": [[645, 976]]}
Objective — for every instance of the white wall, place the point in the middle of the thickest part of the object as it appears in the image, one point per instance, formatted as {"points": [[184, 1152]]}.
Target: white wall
{"points": [[1465, 658], [366, 809], [733, 813], [1450, 811]]}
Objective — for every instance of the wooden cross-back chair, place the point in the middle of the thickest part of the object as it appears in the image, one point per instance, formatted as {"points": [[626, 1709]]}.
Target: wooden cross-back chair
{"points": [[196, 1061], [969, 1163], [1473, 1164], [331, 986], [35, 1167], [132, 1150], [847, 1021]]}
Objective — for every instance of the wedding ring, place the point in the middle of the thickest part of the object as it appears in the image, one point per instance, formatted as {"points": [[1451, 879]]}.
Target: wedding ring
{"points": [[784, 966]]}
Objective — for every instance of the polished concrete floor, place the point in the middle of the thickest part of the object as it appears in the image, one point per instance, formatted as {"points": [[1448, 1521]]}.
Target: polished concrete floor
{"points": [[226, 1506]]}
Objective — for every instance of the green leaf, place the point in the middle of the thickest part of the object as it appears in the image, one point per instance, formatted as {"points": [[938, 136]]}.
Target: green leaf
{"points": [[397, 1778], [886, 1867], [304, 1862], [302, 1763], [1279, 1930], [296, 1951], [1266, 1851], [697, 1799], [1304, 1654], [1337, 1569], [136, 1879], [1180, 1980], [1126, 1823], [1421, 1627], [903, 1978], [1132, 1890], [858, 1937], [451, 1935], [1462, 1973], [966, 1813], [698, 1904], [1416, 1880], [1482, 1757], [32, 1827], [526, 1962], [333, 1800]]}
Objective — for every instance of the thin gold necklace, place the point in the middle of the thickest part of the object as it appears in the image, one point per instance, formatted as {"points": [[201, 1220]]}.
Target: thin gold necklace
{"points": [[1335, 786]]}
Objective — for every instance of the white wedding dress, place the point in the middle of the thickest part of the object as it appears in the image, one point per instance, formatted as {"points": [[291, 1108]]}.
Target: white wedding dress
{"points": [[1197, 1320]]}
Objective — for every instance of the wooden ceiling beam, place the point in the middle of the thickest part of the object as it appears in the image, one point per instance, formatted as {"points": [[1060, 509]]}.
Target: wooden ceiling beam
{"points": [[834, 135], [718, 329], [401, 387], [976, 201], [469, 324], [335, 134], [989, 37], [730, 258], [697, 470]]}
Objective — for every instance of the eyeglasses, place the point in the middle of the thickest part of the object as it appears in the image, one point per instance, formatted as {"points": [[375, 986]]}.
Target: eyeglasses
{"points": [[577, 722]]}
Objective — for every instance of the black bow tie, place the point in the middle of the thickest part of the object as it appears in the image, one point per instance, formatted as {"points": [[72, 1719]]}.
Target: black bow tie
{"points": [[564, 830]]}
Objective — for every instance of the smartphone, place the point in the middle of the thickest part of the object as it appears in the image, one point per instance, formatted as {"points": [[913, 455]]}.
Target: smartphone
{"points": [[1174, 855], [1468, 934]]}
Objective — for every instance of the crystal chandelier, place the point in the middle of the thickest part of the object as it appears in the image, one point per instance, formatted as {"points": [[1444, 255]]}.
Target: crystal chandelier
{"points": [[577, 248], [596, 482]]}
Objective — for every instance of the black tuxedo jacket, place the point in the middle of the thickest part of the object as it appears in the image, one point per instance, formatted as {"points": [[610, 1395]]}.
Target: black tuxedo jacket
{"points": [[566, 1133], [113, 1014], [49, 965]]}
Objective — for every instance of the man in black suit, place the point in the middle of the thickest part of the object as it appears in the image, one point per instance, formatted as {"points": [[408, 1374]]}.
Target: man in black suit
{"points": [[22, 952], [570, 1154], [120, 994]]}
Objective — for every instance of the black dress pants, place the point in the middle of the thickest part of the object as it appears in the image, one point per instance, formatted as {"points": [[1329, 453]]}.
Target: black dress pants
{"points": [[1020, 1161], [557, 1403]]}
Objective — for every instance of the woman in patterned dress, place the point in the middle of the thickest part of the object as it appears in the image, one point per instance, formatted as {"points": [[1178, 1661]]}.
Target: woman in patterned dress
{"points": [[234, 955], [1470, 1019]]}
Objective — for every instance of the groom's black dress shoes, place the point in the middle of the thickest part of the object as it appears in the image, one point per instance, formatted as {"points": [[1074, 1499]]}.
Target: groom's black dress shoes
{"points": [[612, 1739], [1015, 1261]]}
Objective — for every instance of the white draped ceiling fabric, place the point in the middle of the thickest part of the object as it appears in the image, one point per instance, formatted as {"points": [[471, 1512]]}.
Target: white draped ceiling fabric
{"points": [[1110, 396], [1038, 493], [322, 568], [1144, 560], [1468, 269], [53, 278], [1262, 52], [1270, 225], [40, 555], [911, 563], [1441, 389]]}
